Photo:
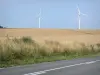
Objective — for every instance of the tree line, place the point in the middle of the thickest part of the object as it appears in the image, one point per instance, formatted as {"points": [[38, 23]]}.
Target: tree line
{"points": [[1, 26]]}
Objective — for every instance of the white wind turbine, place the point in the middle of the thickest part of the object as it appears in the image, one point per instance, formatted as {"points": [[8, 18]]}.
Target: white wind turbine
{"points": [[79, 14], [40, 18]]}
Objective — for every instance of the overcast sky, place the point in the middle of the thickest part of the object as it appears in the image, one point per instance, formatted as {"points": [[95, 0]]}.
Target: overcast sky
{"points": [[54, 13]]}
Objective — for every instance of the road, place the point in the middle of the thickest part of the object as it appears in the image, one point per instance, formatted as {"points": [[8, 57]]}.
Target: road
{"points": [[81, 66]]}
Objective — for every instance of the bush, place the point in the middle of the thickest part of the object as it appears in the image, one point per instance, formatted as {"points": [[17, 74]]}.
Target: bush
{"points": [[27, 40]]}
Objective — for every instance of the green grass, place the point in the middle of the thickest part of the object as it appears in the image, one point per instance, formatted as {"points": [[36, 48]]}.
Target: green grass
{"points": [[40, 60], [27, 51]]}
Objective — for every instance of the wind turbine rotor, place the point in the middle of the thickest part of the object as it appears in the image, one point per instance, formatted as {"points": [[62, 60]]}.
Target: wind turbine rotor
{"points": [[79, 16]]}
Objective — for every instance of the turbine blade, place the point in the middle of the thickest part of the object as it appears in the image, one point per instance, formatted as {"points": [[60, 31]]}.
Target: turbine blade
{"points": [[77, 6], [84, 14], [40, 12], [78, 9]]}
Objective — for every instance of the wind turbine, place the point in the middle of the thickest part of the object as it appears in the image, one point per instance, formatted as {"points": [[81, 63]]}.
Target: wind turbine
{"points": [[79, 14], [40, 18]]}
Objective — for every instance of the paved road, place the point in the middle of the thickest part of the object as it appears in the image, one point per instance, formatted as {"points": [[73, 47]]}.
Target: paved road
{"points": [[82, 66]]}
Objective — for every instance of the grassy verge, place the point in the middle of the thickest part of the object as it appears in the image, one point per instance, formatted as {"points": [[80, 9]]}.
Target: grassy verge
{"points": [[27, 51]]}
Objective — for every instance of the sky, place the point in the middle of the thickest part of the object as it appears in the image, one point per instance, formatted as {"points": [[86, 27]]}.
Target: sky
{"points": [[54, 13]]}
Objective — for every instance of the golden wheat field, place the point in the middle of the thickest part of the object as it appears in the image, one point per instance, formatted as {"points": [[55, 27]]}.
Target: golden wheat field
{"points": [[60, 35]]}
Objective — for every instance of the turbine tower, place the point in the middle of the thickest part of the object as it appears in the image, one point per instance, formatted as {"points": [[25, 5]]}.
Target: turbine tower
{"points": [[79, 16], [40, 18]]}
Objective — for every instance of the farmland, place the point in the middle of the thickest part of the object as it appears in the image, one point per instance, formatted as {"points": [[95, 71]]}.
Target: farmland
{"points": [[29, 46], [60, 35]]}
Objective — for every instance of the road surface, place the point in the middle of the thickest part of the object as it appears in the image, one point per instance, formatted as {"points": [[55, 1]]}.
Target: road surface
{"points": [[81, 66]]}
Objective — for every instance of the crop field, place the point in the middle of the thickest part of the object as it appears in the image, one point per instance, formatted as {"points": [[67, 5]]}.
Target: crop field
{"points": [[60, 35], [28, 46]]}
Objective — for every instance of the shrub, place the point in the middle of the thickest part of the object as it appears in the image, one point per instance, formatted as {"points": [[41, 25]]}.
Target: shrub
{"points": [[27, 40], [98, 45]]}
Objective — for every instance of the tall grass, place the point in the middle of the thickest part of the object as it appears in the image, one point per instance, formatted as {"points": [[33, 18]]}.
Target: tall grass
{"points": [[18, 51]]}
